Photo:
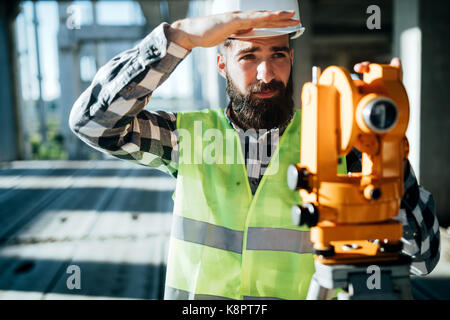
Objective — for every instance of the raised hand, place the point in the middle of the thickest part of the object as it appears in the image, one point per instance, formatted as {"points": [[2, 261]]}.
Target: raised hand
{"points": [[212, 30]]}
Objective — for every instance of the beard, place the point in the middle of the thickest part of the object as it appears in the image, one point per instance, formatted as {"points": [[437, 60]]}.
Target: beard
{"points": [[262, 113]]}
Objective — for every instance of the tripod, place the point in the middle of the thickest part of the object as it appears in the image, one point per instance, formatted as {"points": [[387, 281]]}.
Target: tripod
{"points": [[363, 281]]}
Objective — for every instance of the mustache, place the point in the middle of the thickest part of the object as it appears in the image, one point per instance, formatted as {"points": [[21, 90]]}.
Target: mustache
{"points": [[261, 86]]}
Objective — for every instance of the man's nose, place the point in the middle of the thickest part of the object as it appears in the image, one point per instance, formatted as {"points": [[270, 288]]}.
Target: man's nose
{"points": [[265, 72]]}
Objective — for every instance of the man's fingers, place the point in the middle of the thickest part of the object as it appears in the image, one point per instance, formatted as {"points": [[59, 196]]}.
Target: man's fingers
{"points": [[269, 24], [396, 62], [211, 30], [361, 67], [245, 21], [364, 66], [263, 15], [277, 23], [242, 31], [282, 14], [260, 19]]}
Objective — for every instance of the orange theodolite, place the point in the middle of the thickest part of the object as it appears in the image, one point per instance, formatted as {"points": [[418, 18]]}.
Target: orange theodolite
{"points": [[351, 215]]}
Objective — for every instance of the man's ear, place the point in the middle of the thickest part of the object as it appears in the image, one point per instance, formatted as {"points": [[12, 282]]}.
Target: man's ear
{"points": [[292, 56], [221, 65]]}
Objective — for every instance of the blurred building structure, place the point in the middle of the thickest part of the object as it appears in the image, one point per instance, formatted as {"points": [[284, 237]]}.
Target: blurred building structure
{"points": [[77, 42], [9, 111], [99, 43], [419, 39]]}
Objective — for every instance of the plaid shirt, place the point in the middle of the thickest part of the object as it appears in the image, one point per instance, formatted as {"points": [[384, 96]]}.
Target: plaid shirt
{"points": [[110, 117]]}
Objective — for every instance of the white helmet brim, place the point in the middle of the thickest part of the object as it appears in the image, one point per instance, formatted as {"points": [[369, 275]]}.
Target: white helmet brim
{"points": [[294, 32]]}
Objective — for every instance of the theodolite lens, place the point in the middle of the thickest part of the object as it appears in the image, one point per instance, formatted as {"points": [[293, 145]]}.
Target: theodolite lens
{"points": [[380, 114]]}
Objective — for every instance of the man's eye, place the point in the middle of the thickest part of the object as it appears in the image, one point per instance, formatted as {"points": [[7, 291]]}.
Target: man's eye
{"points": [[248, 57], [279, 55]]}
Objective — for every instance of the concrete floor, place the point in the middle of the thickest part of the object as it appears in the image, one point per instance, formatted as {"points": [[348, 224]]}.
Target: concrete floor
{"points": [[112, 219]]}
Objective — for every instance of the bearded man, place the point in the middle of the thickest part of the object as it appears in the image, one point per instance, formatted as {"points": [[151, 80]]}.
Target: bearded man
{"points": [[232, 236]]}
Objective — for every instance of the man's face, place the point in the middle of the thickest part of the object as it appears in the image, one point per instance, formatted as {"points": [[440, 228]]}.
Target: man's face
{"points": [[258, 81]]}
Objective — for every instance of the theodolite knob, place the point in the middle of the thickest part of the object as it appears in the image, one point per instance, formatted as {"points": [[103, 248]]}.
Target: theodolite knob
{"points": [[372, 193], [306, 214], [297, 178]]}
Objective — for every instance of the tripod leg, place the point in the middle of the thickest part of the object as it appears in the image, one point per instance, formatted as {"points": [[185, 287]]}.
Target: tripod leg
{"points": [[317, 292], [403, 285]]}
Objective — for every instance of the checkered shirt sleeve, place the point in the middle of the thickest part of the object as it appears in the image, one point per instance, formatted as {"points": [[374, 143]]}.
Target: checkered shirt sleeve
{"points": [[110, 117], [421, 237]]}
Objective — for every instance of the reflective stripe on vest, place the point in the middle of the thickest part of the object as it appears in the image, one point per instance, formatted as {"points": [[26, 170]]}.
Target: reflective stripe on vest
{"points": [[278, 239], [177, 294], [275, 239], [207, 234]]}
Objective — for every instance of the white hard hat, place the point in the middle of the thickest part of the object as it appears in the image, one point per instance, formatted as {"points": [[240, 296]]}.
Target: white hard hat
{"points": [[222, 6]]}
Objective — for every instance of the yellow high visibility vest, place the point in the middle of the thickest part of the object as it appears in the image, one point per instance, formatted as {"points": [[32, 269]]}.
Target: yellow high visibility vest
{"points": [[226, 243]]}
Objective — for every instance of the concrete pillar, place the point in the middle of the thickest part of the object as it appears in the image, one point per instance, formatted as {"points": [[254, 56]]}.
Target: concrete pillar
{"points": [[435, 111], [69, 77], [420, 38], [178, 9], [169, 11], [9, 112], [407, 44], [302, 70], [152, 13]]}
